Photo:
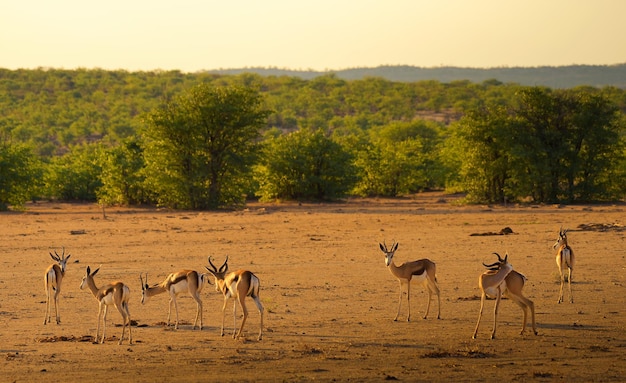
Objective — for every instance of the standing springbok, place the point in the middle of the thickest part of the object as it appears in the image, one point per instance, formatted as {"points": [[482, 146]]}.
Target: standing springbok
{"points": [[239, 285], [500, 280], [179, 282], [117, 294], [423, 270], [52, 282], [564, 260]]}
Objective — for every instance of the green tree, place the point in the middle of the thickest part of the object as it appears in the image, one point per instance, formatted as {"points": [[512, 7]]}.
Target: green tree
{"points": [[122, 176], [20, 175], [551, 146], [485, 151], [200, 145], [75, 176], [303, 165], [570, 141], [399, 158]]}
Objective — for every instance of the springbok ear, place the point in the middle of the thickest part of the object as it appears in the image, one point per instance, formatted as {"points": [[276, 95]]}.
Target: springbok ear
{"points": [[54, 258], [395, 247], [68, 257], [382, 247], [95, 272]]}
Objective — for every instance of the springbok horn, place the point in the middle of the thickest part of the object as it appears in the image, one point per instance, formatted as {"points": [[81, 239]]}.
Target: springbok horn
{"points": [[499, 257], [212, 265], [491, 265], [225, 265]]}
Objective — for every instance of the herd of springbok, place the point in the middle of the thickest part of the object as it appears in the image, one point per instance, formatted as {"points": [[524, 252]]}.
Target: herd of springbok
{"points": [[500, 279], [237, 284]]}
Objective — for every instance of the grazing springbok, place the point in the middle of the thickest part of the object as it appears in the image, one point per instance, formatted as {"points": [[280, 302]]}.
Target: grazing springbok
{"points": [[564, 260], [179, 282], [500, 280], [238, 285], [52, 283], [423, 270], [117, 294]]}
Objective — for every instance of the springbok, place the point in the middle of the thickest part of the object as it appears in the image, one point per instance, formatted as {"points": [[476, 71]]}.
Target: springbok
{"points": [[238, 285], [564, 260], [117, 294], [179, 282], [52, 282], [423, 270], [500, 280]]}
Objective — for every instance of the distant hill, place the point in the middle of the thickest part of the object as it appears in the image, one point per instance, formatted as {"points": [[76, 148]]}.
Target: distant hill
{"points": [[554, 77]]}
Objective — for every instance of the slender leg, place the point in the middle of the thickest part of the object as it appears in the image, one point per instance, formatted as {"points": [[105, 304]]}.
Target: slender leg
{"points": [[438, 303], [46, 317], [480, 314], [198, 311], [104, 322], [224, 313], [399, 301], [169, 312], [433, 288], [176, 308], [242, 303], [430, 295], [121, 309], [562, 283], [235, 318], [495, 313], [569, 284], [99, 316], [408, 300], [56, 304], [260, 307]]}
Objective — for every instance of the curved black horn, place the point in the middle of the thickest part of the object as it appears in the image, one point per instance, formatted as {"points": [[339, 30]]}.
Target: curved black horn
{"points": [[212, 265], [499, 257], [491, 265], [224, 265]]}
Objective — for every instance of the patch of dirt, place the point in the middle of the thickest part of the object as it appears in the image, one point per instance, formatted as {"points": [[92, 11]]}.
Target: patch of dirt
{"points": [[329, 299]]}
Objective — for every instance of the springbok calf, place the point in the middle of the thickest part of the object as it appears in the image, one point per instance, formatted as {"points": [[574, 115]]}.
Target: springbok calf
{"points": [[239, 285], [52, 283], [500, 280], [423, 270], [564, 260], [179, 282], [117, 294]]}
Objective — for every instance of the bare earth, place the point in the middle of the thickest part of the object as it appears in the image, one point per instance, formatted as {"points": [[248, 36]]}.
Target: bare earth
{"points": [[329, 300]]}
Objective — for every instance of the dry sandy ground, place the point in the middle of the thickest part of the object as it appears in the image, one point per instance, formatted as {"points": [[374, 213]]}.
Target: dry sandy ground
{"points": [[328, 297]]}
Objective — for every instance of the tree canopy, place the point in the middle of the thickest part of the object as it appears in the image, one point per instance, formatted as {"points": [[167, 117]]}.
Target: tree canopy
{"points": [[204, 141]]}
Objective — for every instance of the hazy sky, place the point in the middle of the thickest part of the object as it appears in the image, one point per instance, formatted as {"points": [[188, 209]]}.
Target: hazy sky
{"points": [[192, 35]]}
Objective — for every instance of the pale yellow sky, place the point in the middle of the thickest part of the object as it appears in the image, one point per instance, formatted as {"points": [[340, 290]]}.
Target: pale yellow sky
{"points": [[193, 35]]}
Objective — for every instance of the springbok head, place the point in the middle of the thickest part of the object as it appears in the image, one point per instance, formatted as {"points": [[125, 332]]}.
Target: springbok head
{"points": [[60, 259], [497, 265], [561, 239], [220, 273], [389, 253]]}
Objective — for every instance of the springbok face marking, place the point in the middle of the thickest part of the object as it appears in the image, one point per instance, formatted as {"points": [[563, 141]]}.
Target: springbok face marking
{"points": [[388, 253]]}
